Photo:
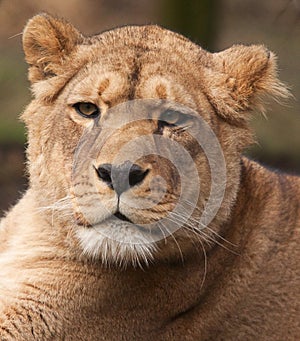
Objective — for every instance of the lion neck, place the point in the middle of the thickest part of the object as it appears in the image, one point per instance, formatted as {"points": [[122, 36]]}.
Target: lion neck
{"points": [[166, 292]]}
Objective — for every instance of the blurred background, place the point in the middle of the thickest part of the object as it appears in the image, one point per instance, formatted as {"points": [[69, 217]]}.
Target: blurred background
{"points": [[214, 24]]}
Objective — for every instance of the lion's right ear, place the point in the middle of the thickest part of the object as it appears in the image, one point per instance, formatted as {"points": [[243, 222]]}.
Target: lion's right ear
{"points": [[48, 43]]}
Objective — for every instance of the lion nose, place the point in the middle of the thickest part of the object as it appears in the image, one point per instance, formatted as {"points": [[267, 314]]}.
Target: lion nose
{"points": [[121, 177]]}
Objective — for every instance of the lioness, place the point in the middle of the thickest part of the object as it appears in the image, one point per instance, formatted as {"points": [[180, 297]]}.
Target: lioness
{"points": [[142, 220]]}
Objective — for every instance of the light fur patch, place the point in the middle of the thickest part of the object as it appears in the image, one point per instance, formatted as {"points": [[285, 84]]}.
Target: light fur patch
{"points": [[125, 245]]}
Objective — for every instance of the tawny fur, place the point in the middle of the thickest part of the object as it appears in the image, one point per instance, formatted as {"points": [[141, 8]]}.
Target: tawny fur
{"points": [[237, 280]]}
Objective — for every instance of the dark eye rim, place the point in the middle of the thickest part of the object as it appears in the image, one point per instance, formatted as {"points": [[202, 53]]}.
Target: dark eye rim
{"points": [[93, 115], [181, 120]]}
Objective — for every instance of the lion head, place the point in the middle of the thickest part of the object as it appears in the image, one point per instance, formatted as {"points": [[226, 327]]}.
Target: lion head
{"points": [[135, 135]]}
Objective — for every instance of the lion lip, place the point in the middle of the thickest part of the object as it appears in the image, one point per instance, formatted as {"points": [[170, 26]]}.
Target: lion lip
{"points": [[122, 217]]}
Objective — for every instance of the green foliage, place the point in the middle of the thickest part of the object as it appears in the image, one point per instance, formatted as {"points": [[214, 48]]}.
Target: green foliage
{"points": [[14, 95], [196, 19], [12, 133]]}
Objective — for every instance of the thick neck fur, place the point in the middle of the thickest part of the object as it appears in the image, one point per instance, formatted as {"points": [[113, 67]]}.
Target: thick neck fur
{"points": [[241, 278]]}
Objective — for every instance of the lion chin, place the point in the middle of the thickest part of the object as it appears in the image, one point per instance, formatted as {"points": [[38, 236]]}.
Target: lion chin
{"points": [[126, 245]]}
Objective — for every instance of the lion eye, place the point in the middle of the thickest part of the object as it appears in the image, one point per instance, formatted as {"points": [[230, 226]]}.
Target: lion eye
{"points": [[87, 109], [172, 117]]}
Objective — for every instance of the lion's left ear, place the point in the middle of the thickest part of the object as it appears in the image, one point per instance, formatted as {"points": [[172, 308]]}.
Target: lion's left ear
{"points": [[240, 78], [47, 43]]}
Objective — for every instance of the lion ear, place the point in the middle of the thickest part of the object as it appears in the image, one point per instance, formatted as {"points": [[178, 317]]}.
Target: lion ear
{"points": [[245, 74], [48, 43]]}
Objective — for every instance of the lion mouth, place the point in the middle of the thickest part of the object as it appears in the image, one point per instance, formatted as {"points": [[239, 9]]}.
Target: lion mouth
{"points": [[122, 217], [144, 230]]}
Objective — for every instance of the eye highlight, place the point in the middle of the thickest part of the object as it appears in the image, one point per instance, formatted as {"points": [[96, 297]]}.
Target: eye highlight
{"points": [[87, 109]]}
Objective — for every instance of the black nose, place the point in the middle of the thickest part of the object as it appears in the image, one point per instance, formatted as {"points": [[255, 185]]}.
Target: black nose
{"points": [[122, 177]]}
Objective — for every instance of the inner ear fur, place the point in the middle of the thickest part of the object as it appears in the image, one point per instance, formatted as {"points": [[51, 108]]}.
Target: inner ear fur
{"points": [[48, 43], [241, 77]]}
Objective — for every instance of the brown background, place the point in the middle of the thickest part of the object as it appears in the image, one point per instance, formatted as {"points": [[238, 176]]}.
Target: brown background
{"points": [[215, 24]]}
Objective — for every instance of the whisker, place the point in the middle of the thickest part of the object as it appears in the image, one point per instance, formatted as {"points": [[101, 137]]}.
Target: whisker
{"points": [[15, 35], [205, 264], [58, 205], [161, 229], [175, 240], [207, 227], [62, 207], [201, 232], [203, 250]]}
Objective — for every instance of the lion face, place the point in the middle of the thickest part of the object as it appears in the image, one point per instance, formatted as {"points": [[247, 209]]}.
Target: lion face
{"points": [[135, 135]]}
